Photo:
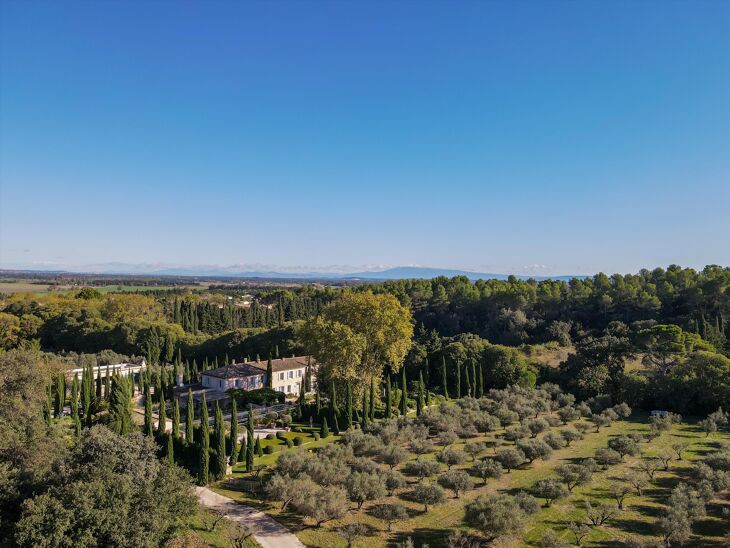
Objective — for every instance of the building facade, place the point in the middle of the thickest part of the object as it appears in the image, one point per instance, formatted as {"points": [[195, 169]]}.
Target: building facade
{"points": [[288, 375]]}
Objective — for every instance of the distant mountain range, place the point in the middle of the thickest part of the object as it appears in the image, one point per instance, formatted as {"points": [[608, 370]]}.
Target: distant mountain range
{"points": [[396, 273]]}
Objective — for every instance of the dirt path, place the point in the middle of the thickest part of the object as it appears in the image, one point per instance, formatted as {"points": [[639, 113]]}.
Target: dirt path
{"points": [[268, 532]]}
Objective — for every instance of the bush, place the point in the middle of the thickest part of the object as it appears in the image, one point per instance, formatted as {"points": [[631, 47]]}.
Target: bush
{"points": [[280, 435], [298, 430], [298, 441], [258, 397], [289, 443], [316, 436], [270, 437], [269, 449]]}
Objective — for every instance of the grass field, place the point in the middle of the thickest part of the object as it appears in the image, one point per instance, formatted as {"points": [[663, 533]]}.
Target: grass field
{"points": [[635, 521], [26, 287], [205, 527]]}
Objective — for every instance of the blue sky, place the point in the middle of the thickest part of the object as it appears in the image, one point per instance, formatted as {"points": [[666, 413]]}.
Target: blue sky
{"points": [[526, 137]]}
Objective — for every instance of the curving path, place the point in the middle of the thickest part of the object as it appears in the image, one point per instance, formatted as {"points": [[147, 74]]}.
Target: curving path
{"points": [[268, 532]]}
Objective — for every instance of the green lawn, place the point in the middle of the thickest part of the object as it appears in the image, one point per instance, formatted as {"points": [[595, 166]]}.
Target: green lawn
{"points": [[205, 527], [433, 527]]}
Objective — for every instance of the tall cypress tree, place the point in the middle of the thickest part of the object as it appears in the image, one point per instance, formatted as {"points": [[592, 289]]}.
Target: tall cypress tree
{"points": [[458, 379], [162, 416], [474, 382], [404, 393], [258, 449], [60, 397], [120, 407], [348, 404], [74, 399], [467, 383], [249, 440], [334, 410], [269, 373], [480, 385], [204, 465], [318, 403], [77, 425], [444, 378], [148, 412], [190, 418], [98, 384], [388, 397], [365, 412], [220, 436], [420, 402], [107, 385], [176, 419], [324, 431], [372, 398], [170, 453], [234, 432]]}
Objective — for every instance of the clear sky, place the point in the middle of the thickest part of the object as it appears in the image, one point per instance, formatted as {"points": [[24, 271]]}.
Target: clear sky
{"points": [[515, 136]]}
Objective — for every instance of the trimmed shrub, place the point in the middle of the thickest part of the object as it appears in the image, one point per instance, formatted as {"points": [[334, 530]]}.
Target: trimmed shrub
{"points": [[298, 441], [269, 449]]}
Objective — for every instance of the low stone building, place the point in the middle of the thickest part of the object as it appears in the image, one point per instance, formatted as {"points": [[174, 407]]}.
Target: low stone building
{"points": [[288, 375]]}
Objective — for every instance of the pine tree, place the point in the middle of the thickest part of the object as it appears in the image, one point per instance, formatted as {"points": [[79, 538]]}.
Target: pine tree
{"points": [[348, 405], [234, 432], [170, 453], [220, 436], [388, 397], [324, 431], [372, 398], [365, 412], [190, 418], [148, 412], [176, 419], [404, 391], [162, 416], [444, 380], [269, 373]]}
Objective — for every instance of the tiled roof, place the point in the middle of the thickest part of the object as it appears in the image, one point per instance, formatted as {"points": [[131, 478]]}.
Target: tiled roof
{"points": [[233, 371], [284, 364]]}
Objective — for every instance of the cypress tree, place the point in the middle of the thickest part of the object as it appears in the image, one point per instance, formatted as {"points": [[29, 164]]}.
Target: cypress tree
{"points": [[474, 381], [203, 466], [269, 373], [372, 398], [388, 397], [348, 405], [176, 419], [60, 399], [249, 441], [107, 385], [148, 412], [365, 412], [220, 436], [467, 383], [98, 384], [324, 431], [318, 401], [204, 426], [170, 449], [77, 425], [162, 416], [190, 418], [258, 449], [243, 451], [75, 396], [404, 390], [426, 376], [480, 386], [458, 380], [444, 379], [234, 432], [420, 402], [120, 407]]}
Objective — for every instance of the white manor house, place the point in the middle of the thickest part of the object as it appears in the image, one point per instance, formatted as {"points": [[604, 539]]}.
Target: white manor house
{"points": [[288, 375]]}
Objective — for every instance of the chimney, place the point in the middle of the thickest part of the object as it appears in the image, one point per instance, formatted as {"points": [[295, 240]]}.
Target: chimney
{"points": [[179, 379]]}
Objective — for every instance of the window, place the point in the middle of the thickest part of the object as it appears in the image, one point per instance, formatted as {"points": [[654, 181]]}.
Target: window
{"points": [[281, 376], [288, 388], [299, 372], [291, 374]]}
